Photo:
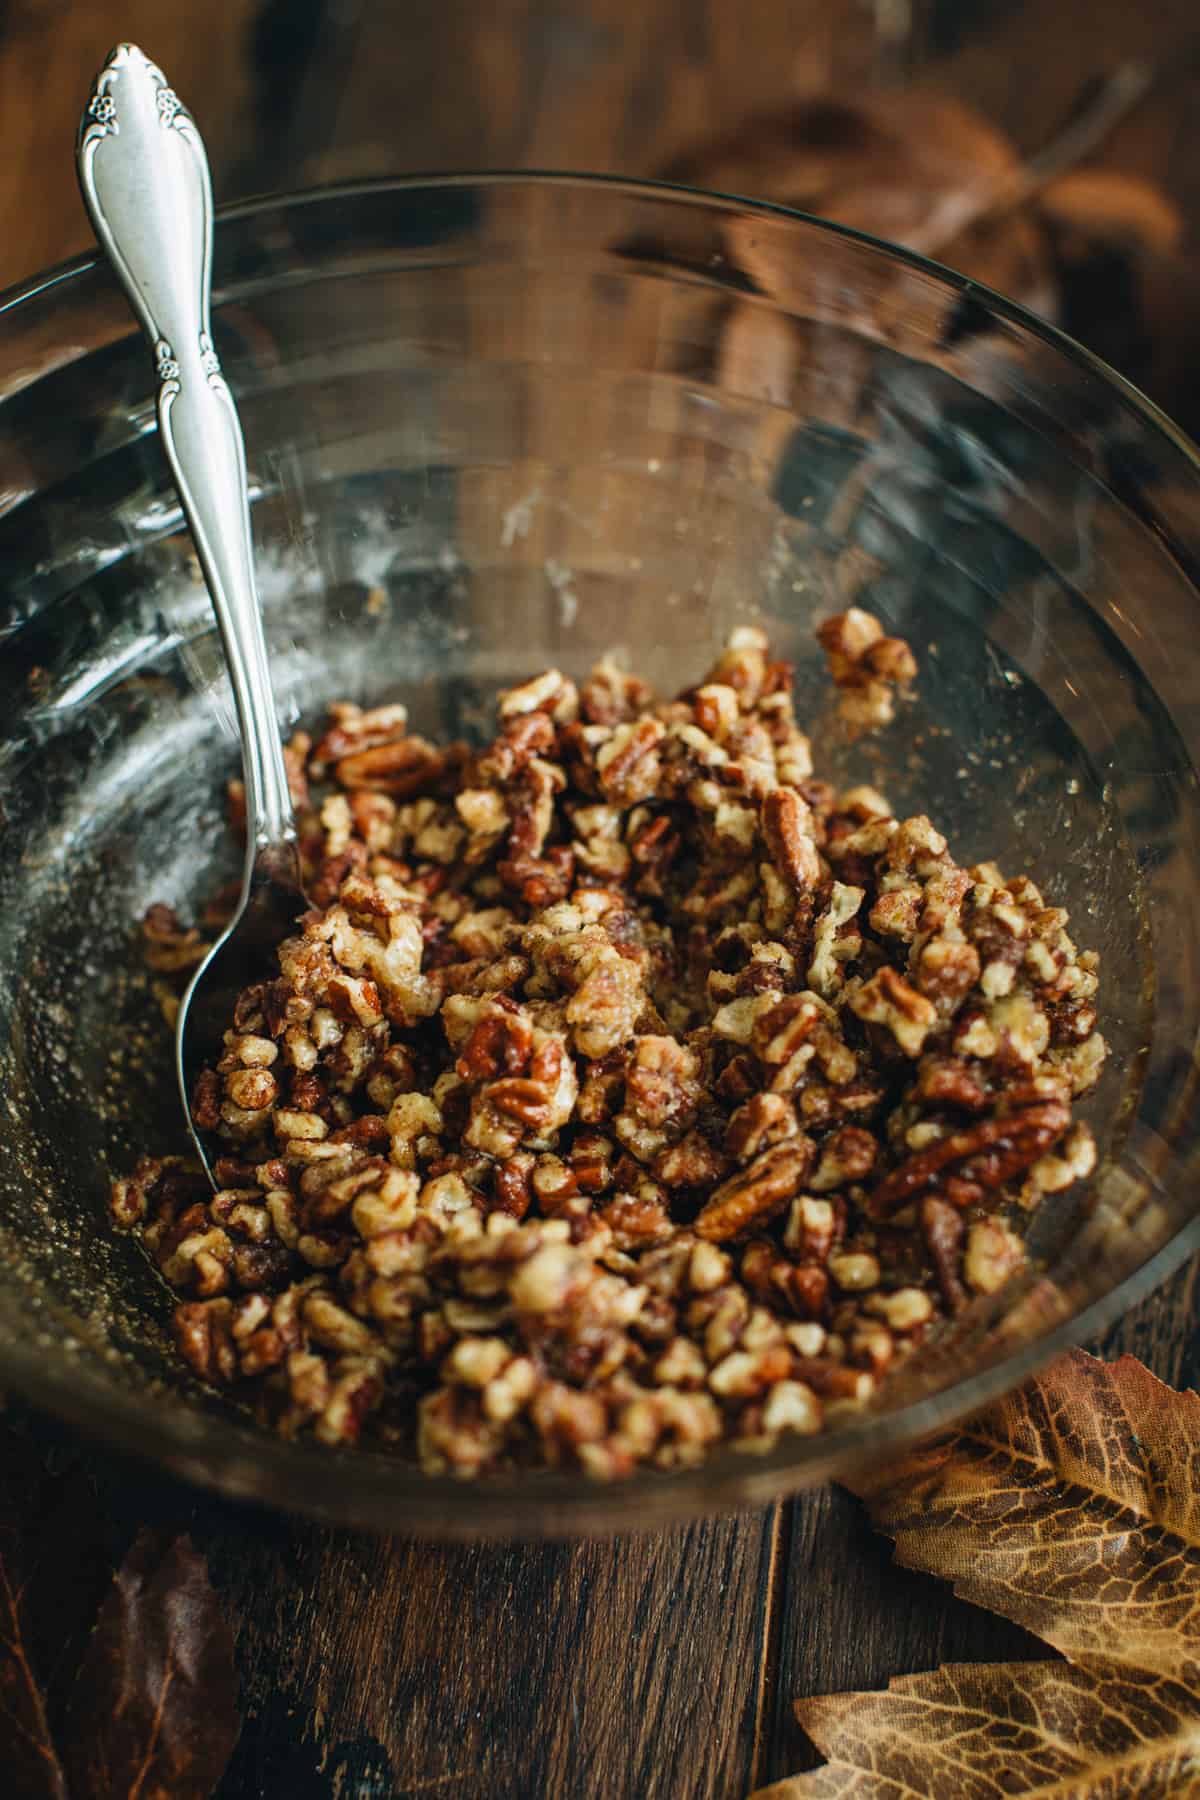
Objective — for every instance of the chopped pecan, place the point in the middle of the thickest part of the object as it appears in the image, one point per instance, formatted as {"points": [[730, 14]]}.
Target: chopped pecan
{"points": [[691, 1163], [943, 1229], [758, 1192], [989, 1154], [628, 764], [404, 767], [637, 1220], [849, 1155], [787, 828], [610, 695], [206, 1101], [949, 1081], [591, 1161], [351, 729], [865, 666], [661, 1081], [568, 1015], [501, 1042], [946, 971], [993, 1253], [763, 1119], [550, 693], [888, 1000], [203, 1331]]}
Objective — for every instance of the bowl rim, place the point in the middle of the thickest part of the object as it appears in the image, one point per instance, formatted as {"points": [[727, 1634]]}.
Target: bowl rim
{"points": [[350, 1488], [85, 262]]}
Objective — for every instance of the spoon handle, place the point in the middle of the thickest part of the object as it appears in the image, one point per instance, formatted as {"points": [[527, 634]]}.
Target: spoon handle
{"points": [[146, 186]]}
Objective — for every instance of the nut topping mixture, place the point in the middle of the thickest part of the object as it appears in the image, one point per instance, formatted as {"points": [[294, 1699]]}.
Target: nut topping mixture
{"points": [[627, 1091]]}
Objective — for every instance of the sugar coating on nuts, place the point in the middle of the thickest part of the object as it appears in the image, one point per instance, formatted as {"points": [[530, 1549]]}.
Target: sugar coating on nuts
{"points": [[628, 1090]]}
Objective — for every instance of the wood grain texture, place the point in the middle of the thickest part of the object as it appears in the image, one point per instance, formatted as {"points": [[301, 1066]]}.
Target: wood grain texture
{"points": [[474, 1669], [387, 1668], [575, 84], [48, 56]]}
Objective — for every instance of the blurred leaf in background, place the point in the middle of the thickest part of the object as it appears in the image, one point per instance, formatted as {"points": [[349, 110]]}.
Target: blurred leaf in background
{"points": [[919, 119]]}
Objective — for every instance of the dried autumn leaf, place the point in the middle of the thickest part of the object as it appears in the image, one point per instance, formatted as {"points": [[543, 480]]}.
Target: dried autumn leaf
{"points": [[1072, 1508], [917, 167], [1076, 1496], [154, 1710], [1094, 1730], [1079, 245], [1099, 206]]}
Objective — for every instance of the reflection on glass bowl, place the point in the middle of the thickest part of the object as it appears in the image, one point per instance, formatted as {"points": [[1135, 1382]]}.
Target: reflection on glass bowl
{"points": [[534, 420]]}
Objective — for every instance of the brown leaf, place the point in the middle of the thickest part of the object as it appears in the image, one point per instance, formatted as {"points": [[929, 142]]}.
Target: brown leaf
{"points": [[1071, 1504], [153, 1715], [916, 167], [1072, 1508], [978, 1732], [1107, 206]]}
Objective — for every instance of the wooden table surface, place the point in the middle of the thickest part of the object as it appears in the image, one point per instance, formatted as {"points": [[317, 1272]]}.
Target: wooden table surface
{"points": [[650, 1668]]}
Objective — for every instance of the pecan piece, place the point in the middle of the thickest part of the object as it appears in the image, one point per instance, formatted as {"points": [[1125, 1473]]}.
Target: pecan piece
{"points": [[757, 1193], [591, 1161], [787, 828], [949, 1081], [989, 1154], [866, 667], [511, 1192], [539, 880], [204, 1333], [407, 767], [848, 1156], [943, 1229], [693, 1162], [206, 1101], [628, 765], [762, 1120], [888, 1000], [350, 730], [501, 1041], [637, 1220]]}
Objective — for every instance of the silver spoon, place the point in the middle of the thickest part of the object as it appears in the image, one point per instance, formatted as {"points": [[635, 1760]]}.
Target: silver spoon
{"points": [[146, 186]]}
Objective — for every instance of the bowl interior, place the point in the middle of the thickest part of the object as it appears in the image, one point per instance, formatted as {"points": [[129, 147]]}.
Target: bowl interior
{"points": [[497, 426]]}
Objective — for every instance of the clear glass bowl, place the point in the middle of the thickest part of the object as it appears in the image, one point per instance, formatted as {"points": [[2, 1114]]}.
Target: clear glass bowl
{"points": [[500, 422]]}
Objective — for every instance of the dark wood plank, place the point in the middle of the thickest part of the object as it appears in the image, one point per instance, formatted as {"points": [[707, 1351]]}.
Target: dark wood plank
{"points": [[501, 1671], [48, 56], [291, 92], [389, 1668], [576, 84], [1164, 1331]]}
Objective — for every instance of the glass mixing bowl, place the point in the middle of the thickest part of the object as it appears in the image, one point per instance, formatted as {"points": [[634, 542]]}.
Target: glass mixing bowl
{"points": [[497, 423]]}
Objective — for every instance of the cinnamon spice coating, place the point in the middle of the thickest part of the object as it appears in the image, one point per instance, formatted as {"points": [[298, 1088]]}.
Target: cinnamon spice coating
{"points": [[626, 1091]]}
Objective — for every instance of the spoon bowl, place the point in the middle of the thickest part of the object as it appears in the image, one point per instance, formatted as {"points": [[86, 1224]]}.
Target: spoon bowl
{"points": [[242, 955]]}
